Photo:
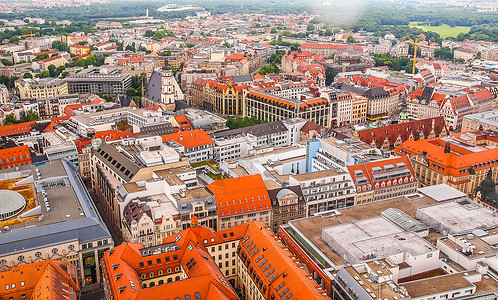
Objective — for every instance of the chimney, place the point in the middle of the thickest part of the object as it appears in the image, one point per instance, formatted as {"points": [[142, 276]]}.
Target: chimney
{"points": [[447, 147]]}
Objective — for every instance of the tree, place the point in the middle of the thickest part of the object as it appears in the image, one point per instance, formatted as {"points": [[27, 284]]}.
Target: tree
{"points": [[10, 119], [130, 48], [351, 39], [268, 69], [83, 43], [58, 45], [287, 33], [227, 44], [168, 53], [52, 71], [27, 75], [30, 116], [43, 74], [328, 32], [14, 39], [273, 30], [64, 74], [149, 33], [6, 62], [310, 27], [12, 82], [190, 45]]}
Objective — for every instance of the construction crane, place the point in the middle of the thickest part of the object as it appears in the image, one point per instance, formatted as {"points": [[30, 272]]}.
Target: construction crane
{"points": [[416, 45], [30, 34]]}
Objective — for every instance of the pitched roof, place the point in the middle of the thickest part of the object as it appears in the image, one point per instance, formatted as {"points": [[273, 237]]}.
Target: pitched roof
{"points": [[270, 262], [402, 130], [189, 139], [52, 279], [240, 195]]}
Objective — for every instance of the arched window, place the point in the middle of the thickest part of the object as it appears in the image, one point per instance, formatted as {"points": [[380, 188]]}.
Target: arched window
{"points": [[160, 272], [170, 280], [143, 276], [177, 278], [168, 270], [177, 269], [152, 284], [161, 282], [151, 274]]}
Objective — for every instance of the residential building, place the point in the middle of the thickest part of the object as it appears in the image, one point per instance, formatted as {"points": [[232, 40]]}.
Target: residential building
{"points": [[79, 49], [265, 106], [328, 50], [241, 200], [98, 80], [59, 221], [195, 144], [180, 268], [383, 179], [4, 94], [324, 191], [287, 204], [15, 156], [41, 88], [465, 54], [50, 279], [461, 160]]}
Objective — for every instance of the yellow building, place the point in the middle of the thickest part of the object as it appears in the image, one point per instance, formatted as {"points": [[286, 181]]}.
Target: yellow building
{"points": [[359, 114], [79, 49], [41, 88]]}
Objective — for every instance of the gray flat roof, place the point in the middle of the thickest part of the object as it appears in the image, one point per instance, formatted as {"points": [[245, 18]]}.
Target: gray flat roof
{"points": [[83, 224], [441, 192]]}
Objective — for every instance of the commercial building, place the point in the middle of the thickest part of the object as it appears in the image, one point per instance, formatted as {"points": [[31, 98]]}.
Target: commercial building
{"points": [[268, 107], [241, 200], [127, 161], [223, 98], [388, 138], [481, 121], [59, 221], [460, 161], [392, 249], [41, 88], [328, 50], [88, 124], [266, 270], [98, 80], [383, 179], [247, 141]]}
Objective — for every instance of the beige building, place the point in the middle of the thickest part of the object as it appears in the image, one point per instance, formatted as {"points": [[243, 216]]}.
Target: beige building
{"points": [[464, 54], [481, 121], [4, 94], [41, 88], [359, 112]]}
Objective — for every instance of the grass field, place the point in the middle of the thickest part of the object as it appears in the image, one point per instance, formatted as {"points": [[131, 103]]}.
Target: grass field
{"points": [[443, 30]]}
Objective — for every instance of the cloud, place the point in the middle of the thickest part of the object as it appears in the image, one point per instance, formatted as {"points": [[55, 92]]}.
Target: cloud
{"points": [[341, 13]]}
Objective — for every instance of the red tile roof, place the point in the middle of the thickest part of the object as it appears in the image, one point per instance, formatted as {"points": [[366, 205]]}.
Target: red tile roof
{"points": [[240, 195], [189, 139], [378, 135], [333, 46], [48, 279], [15, 156]]}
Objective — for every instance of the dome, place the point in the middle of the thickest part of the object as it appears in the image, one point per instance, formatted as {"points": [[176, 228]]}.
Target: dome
{"points": [[284, 192], [11, 203]]}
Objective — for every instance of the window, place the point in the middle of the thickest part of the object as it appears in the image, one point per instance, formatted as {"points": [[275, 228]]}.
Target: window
{"points": [[55, 250], [20, 258]]}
